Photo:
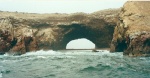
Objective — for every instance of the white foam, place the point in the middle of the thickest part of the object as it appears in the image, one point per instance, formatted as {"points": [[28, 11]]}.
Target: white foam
{"points": [[6, 54], [1, 75], [42, 53], [43, 57]]}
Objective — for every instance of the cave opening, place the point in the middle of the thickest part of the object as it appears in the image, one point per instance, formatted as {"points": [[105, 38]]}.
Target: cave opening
{"points": [[81, 43], [81, 31]]}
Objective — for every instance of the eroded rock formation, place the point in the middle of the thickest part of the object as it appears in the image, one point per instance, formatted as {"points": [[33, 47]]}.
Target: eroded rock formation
{"points": [[23, 32], [132, 34]]}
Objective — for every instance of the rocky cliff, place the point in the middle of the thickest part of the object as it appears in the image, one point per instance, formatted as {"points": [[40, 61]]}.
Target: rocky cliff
{"points": [[26, 32], [132, 33]]}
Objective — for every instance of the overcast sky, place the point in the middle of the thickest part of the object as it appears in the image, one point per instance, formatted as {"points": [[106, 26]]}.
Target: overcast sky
{"points": [[59, 6], [82, 43]]}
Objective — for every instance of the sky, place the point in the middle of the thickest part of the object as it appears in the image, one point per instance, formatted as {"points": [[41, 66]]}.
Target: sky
{"points": [[80, 44], [59, 6]]}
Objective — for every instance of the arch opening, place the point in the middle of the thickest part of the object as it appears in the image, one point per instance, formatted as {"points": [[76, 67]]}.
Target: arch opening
{"points": [[81, 43]]}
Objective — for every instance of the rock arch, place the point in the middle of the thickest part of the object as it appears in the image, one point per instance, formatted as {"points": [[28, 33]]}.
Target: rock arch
{"points": [[99, 37], [54, 31]]}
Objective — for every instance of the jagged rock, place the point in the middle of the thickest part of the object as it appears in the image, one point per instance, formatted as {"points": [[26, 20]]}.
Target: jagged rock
{"points": [[132, 32], [25, 44], [53, 31], [6, 41]]}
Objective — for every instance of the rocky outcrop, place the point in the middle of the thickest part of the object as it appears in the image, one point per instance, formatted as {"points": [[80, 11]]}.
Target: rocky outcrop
{"points": [[132, 34], [23, 32], [6, 41]]}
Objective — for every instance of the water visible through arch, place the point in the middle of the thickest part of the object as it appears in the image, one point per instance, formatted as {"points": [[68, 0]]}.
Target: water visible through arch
{"points": [[81, 43]]}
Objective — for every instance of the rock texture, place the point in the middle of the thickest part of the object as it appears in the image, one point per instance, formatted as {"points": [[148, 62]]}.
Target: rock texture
{"points": [[132, 33], [24, 32]]}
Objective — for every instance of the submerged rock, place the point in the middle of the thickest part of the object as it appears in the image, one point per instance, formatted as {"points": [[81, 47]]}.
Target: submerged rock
{"points": [[94, 50]]}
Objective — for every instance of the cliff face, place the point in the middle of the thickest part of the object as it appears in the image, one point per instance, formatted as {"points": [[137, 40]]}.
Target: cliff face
{"points": [[132, 34], [23, 32]]}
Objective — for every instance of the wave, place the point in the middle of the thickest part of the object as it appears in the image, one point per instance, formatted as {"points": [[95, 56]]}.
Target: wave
{"points": [[40, 52], [1, 75], [98, 67], [5, 71], [67, 52]]}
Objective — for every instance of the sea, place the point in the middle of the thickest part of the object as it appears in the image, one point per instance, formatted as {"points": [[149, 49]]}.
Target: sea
{"points": [[73, 64]]}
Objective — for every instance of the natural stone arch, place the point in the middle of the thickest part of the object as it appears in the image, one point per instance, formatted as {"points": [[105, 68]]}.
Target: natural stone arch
{"points": [[76, 31], [54, 31]]}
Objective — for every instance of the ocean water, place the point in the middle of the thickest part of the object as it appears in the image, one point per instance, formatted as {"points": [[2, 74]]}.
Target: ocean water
{"points": [[73, 64]]}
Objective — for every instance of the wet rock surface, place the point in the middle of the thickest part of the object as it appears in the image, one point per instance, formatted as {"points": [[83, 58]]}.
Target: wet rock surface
{"points": [[132, 33]]}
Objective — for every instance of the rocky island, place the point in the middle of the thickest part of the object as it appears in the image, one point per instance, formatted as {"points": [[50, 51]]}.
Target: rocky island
{"points": [[122, 30]]}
